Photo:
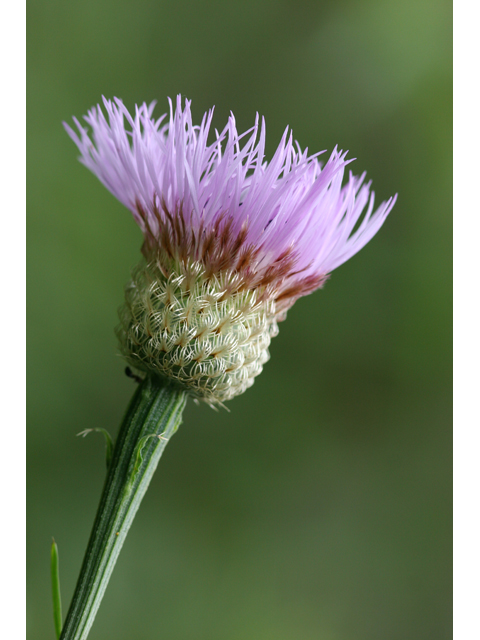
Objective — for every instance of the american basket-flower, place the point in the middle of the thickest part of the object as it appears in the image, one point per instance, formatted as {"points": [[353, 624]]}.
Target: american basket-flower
{"points": [[231, 241]]}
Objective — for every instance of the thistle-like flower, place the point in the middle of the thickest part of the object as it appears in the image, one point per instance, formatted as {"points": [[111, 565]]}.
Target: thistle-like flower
{"points": [[230, 241]]}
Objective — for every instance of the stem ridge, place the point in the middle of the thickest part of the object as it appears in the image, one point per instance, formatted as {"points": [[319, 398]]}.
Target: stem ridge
{"points": [[155, 410]]}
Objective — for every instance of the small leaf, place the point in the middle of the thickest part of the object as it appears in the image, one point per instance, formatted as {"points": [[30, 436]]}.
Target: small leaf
{"points": [[139, 457], [57, 600], [108, 442]]}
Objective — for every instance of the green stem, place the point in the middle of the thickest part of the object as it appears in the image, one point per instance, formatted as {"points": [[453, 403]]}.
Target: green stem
{"points": [[57, 601], [155, 410]]}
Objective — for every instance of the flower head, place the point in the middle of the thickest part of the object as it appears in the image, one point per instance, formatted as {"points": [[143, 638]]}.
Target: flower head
{"points": [[231, 241]]}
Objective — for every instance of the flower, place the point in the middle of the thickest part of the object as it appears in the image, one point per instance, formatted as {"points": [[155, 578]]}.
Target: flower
{"points": [[230, 241]]}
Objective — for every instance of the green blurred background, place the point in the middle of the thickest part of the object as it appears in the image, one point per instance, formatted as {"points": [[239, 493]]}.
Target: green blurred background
{"points": [[319, 507]]}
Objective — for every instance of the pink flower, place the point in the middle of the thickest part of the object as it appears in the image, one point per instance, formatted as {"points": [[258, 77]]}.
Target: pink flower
{"points": [[231, 241], [288, 222]]}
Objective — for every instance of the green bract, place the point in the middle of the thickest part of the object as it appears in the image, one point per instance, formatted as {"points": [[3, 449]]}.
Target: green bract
{"points": [[208, 334]]}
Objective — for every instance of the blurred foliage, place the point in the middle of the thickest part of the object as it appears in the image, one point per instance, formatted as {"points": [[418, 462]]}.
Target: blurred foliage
{"points": [[319, 507]]}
